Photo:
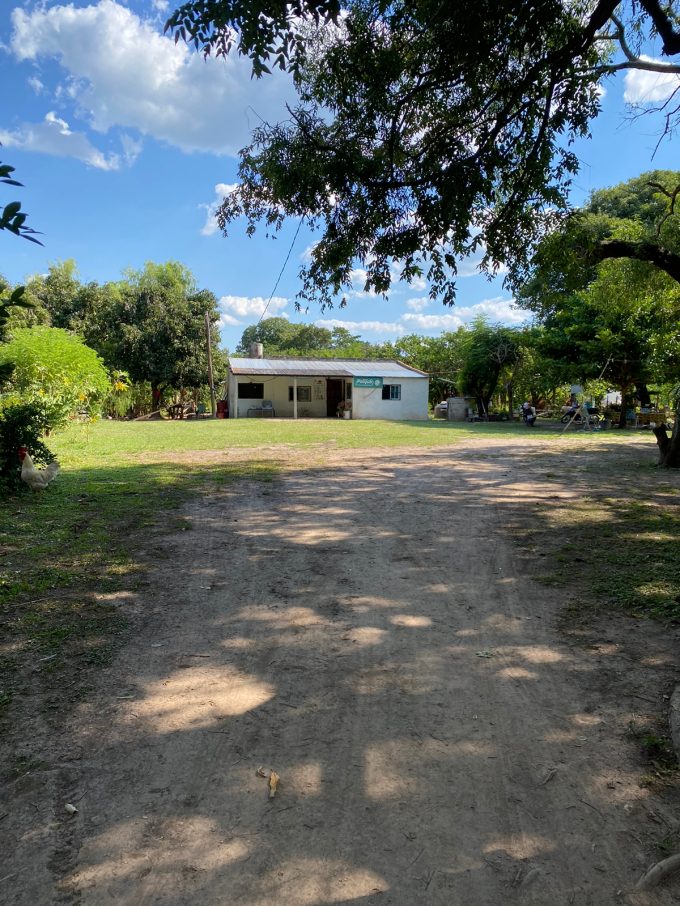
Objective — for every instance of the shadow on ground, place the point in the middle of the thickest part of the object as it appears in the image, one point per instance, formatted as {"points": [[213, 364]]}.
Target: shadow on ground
{"points": [[367, 630]]}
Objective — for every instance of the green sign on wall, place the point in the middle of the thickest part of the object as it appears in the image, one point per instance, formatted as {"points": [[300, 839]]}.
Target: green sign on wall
{"points": [[368, 382]]}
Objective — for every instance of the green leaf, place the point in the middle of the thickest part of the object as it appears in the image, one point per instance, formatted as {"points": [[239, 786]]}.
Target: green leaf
{"points": [[11, 210]]}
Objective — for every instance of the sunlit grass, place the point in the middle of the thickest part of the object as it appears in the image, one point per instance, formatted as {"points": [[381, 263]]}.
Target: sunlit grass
{"points": [[118, 440], [84, 444], [615, 550]]}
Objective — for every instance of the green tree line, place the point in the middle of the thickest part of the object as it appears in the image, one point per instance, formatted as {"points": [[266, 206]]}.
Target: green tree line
{"points": [[148, 327]]}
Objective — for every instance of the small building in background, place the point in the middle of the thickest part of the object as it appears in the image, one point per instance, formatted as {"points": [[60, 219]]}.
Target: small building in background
{"points": [[259, 387]]}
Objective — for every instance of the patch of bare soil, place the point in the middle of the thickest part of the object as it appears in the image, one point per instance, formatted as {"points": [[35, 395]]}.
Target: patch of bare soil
{"points": [[367, 628]]}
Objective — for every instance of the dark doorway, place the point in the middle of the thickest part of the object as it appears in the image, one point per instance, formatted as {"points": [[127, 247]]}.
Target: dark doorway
{"points": [[333, 396]]}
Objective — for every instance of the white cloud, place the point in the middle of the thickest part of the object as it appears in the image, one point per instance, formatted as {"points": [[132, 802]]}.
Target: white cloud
{"points": [[132, 148], [418, 284], [61, 125], [378, 327], [503, 311], [497, 310], [306, 255], [121, 72], [358, 276], [235, 308], [36, 84], [160, 6], [229, 320], [432, 322], [418, 304], [221, 189], [54, 136], [647, 87]]}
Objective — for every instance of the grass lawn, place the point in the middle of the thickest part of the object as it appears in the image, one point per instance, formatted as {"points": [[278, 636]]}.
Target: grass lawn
{"points": [[70, 555], [87, 444], [616, 551], [82, 443]]}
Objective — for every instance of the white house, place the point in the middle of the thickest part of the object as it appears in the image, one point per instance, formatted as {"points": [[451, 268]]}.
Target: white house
{"points": [[322, 388]]}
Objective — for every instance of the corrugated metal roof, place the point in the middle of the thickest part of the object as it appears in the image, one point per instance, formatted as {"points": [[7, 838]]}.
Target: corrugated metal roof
{"points": [[323, 368]]}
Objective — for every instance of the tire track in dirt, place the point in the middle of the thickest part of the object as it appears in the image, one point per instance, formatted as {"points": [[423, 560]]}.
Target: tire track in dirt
{"points": [[365, 628]]}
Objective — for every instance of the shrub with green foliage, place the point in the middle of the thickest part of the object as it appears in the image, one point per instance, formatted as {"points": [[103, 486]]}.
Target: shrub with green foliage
{"points": [[22, 425], [55, 370]]}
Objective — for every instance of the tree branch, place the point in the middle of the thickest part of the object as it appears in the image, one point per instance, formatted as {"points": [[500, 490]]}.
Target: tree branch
{"points": [[672, 197], [641, 251], [664, 26], [632, 60], [644, 65]]}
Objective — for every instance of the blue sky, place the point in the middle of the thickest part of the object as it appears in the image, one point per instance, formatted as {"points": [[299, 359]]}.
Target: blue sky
{"points": [[124, 141]]}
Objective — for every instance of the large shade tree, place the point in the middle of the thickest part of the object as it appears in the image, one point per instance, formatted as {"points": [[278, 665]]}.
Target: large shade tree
{"points": [[489, 350], [161, 332], [425, 130], [151, 324], [609, 315]]}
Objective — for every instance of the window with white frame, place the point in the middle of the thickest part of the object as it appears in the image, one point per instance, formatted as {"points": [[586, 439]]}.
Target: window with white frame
{"points": [[304, 394], [391, 391]]}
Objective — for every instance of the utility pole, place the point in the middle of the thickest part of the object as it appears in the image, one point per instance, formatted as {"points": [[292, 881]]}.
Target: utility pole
{"points": [[213, 402]]}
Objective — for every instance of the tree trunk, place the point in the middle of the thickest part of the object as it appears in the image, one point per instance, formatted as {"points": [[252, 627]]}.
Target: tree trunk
{"points": [[156, 397], [643, 395], [625, 400], [669, 447], [510, 400]]}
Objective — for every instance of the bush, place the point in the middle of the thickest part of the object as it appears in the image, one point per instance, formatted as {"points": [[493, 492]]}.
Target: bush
{"points": [[54, 370], [22, 425], [126, 398]]}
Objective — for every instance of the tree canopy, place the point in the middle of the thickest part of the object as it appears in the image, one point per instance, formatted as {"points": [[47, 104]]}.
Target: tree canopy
{"points": [[161, 335], [151, 324], [425, 131], [279, 336], [604, 316]]}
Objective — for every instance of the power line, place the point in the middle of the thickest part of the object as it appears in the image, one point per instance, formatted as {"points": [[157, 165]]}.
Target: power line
{"points": [[264, 311]]}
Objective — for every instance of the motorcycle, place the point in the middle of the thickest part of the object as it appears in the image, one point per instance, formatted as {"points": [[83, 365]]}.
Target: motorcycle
{"points": [[529, 415]]}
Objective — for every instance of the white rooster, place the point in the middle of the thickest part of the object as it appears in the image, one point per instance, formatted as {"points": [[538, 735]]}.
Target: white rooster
{"points": [[36, 479]]}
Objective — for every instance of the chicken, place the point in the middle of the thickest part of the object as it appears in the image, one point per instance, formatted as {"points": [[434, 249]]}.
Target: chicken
{"points": [[36, 479]]}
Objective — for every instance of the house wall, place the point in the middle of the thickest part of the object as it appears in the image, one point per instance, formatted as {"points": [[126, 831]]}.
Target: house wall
{"points": [[276, 390], [368, 402]]}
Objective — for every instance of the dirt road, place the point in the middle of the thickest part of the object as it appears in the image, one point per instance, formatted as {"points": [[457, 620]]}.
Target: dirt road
{"points": [[367, 630]]}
